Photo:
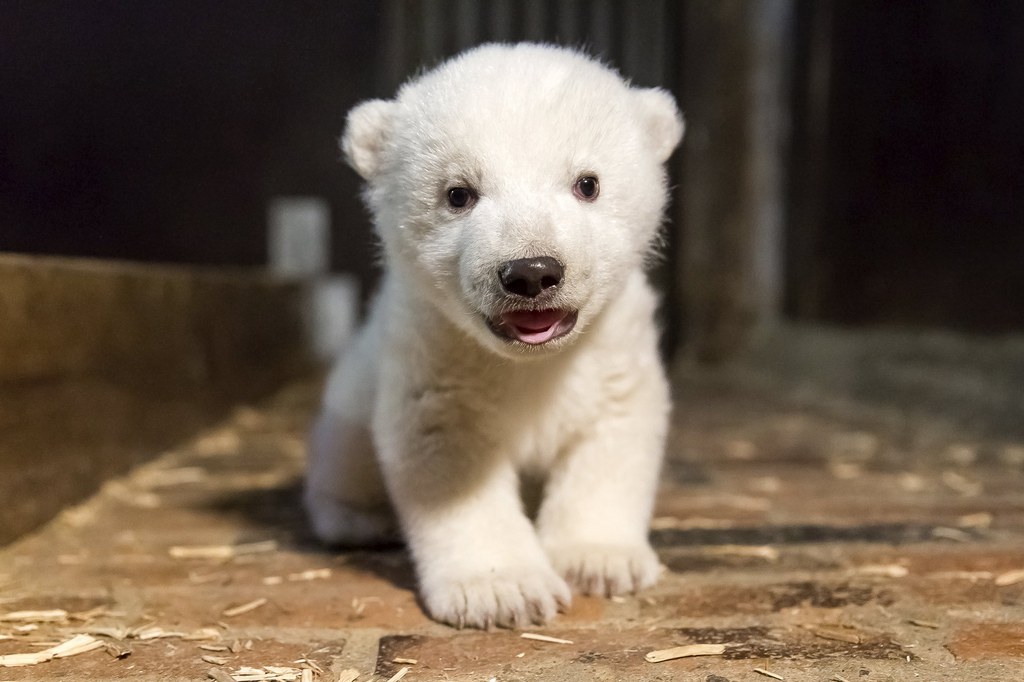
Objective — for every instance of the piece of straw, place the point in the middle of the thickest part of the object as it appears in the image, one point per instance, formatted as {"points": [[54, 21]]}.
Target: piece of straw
{"points": [[685, 651]]}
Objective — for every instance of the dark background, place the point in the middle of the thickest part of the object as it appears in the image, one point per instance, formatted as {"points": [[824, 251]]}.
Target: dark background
{"points": [[922, 200], [159, 131]]}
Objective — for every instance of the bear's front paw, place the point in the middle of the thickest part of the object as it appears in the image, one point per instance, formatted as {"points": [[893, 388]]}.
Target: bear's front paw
{"points": [[606, 570], [507, 598]]}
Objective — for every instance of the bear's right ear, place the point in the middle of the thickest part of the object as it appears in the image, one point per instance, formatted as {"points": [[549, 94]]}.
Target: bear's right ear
{"points": [[366, 130], [661, 119]]}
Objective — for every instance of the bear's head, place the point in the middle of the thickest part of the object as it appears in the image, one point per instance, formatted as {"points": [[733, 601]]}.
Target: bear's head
{"points": [[516, 188]]}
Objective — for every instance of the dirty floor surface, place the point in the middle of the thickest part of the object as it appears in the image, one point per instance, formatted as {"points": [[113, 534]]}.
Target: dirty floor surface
{"points": [[812, 545]]}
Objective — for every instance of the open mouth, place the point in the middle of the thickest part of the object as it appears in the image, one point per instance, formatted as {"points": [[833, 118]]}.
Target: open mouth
{"points": [[534, 327]]}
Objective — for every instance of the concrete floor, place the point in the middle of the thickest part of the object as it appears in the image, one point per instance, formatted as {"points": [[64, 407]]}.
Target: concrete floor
{"points": [[815, 545]]}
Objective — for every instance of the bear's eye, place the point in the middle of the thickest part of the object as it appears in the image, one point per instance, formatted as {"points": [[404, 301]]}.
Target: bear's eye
{"points": [[461, 197], [586, 188]]}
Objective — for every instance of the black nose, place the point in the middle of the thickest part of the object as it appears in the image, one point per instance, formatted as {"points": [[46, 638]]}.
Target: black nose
{"points": [[530, 277]]}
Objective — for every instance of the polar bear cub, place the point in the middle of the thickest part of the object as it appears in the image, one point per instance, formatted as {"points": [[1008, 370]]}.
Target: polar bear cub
{"points": [[517, 191]]}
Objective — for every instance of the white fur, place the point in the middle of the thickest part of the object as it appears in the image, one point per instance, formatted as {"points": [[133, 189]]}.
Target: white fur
{"points": [[432, 415]]}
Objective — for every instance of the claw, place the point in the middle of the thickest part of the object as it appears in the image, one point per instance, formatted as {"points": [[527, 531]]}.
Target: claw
{"points": [[636, 574]]}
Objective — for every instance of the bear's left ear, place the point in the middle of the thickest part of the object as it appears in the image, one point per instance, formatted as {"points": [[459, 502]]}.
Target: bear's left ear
{"points": [[661, 120], [366, 131]]}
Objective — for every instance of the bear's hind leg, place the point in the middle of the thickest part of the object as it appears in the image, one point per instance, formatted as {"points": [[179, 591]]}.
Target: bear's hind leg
{"points": [[345, 496]]}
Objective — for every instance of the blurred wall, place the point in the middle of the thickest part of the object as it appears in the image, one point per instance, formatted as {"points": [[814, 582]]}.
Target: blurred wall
{"points": [[907, 206], [159, 131]]}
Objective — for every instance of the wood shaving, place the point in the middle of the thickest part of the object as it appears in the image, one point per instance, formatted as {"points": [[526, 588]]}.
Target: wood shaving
{"points": [[923, 623], [839, 678], [685, 651], [978, 520], [312, 574], [399, 675], [307, 675], [215, 660], [244, 608], [1010, 577], [221, 552], [665, 523], [79, 644], [146, 633], [537, 637], [767, 673], [407, 661], [312, 665], [268, 673], [223, 442], [954, 534], [883, 570], [742, 502], [348, 675], [765, 552], [359, 604], [961, 484], [219, 675], [690, 523], [149, 631], [973, 576], [44, 616]]}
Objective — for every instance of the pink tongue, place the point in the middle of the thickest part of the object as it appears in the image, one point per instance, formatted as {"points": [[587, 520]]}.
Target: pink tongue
{"points": [[533, 326]]}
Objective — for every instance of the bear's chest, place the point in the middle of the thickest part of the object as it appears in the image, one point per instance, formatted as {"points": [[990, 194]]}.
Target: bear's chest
{"points": [[542, 415]]}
